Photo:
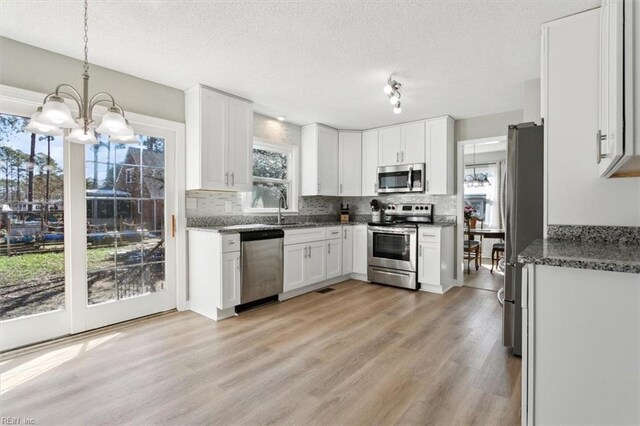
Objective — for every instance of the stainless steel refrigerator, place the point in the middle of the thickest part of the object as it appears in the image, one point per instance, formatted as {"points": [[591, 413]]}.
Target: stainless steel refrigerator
{"points": [[524, 205]]}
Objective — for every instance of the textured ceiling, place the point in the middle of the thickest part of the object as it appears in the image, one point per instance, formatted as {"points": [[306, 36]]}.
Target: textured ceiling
{"points": [[323, 61]]}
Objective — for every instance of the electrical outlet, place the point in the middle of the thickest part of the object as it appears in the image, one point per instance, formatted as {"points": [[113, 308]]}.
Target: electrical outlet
{"points": [[227, 206], [192, 203]]}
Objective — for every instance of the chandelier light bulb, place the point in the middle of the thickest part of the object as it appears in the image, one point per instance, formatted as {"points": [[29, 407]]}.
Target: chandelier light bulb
{"points": [[394, 98], [113, 124], [397, 109], [388, 89], [78, 135], [56, 113]]}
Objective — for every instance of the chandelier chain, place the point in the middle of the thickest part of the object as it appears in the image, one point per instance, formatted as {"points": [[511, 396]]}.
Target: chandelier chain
{"points": [[86, 37]]}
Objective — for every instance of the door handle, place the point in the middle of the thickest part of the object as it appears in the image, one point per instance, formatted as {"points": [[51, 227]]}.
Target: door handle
{"points": [[341, 188], [402, 155], [233, 178], [309, 252], [397, 156], [173, 226], [599, 138], [420, 251], [329, 246], [344, 232], [226, 178], [375, 187]]}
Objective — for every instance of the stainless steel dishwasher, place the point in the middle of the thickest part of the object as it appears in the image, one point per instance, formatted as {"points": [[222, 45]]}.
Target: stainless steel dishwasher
{"points": [[262, 264]]}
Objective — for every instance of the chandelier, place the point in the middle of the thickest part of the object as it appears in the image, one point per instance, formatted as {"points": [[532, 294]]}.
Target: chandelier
{"points": [[54, 115], [476, 179], [392, 90]]}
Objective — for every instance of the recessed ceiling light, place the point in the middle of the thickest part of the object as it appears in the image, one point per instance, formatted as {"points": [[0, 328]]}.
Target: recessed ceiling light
{"points": [[281, 117]]}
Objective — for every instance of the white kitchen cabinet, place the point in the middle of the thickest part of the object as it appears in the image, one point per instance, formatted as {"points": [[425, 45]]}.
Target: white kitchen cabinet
{"points": [[403, 144], [581, 346], [360, 252], [389, 139], [316, 262], [295, 266], [618, 151], [435, 258], [240, 157], [219, 140], [439, 179], [334, 258], [347, 249], [214, 273], [230, 295], [319, 165], [349, 163], [413, 142], [370, 163]]}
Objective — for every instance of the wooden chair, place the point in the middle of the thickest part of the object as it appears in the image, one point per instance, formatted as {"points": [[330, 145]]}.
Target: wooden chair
{"points": [[472, 250], [497, 252]]}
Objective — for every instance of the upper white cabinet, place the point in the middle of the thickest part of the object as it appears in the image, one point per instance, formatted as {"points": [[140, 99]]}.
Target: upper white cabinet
{"points": [[403, 144], [370, 163], [219, 140], [617, 143], [319, 160], [439, 155], [349, 163]]}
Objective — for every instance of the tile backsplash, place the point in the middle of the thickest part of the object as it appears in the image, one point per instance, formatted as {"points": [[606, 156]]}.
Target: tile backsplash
{"points": [[444, 205]]}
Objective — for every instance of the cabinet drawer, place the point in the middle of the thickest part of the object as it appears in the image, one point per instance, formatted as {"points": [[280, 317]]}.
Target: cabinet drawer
{"points": [[429, 234], [306, 235], [230, 242], [333, 232]]}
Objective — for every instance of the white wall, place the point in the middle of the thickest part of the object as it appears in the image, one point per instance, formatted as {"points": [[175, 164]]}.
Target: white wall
{"points": [[576, 195], [31, 68], [486, 126]]}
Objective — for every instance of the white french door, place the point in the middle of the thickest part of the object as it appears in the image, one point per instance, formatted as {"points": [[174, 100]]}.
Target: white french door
{"points": [[89, 234]]}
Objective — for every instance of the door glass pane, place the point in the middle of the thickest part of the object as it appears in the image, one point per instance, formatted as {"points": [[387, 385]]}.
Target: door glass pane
{"points": [[31, 222], [125, 214]]}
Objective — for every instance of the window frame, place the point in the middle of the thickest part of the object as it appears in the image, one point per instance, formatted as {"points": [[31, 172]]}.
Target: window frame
{"points": [[292, 199]]}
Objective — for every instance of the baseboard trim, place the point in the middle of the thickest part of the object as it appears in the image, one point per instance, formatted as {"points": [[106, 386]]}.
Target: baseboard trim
{"points": [[313, 287]]}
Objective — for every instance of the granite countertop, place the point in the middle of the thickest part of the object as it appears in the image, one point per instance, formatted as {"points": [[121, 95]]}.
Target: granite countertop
{"points": [[228, 229], [583, 255]]}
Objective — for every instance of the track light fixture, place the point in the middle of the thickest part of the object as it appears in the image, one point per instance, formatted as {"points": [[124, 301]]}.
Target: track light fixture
{"points": [[392, 90]]}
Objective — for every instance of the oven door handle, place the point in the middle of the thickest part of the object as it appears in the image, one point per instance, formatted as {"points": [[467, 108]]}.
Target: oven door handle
{"points": [[389, 230]]}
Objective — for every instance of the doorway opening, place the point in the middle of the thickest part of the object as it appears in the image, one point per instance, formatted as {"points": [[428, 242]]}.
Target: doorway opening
{"points": [[481, 178]]}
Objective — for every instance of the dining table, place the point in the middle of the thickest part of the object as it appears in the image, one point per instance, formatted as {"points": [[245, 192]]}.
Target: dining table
{"points": [[484, 233]]}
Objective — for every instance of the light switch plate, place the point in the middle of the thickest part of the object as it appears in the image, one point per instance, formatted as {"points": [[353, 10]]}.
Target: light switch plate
{"points": [[192, 203]]}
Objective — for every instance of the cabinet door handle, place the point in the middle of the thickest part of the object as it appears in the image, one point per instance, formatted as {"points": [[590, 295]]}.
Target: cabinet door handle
{"points": [[329, 248], [375, 187], [309, 247], [402, 156], [233, 178], [226, 178], [344, 232], [341, 188], [599, 138], [397, 156], [318, 187], [420, 251]]}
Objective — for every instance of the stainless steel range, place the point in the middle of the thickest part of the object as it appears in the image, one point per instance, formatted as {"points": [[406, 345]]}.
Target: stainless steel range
{"points": [[393, 245]]}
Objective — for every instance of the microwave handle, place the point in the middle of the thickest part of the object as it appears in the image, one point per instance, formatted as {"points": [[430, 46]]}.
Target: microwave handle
{"points": [[410, 179]]}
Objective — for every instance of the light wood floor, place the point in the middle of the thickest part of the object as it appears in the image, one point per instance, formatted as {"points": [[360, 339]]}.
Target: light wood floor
{"points": [[362, 354], [483, 278]]}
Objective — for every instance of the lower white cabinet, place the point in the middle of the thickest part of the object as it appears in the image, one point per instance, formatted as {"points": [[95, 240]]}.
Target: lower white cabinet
{"points": [[347, 249], [580, 346], [334, 258], [435, 258], [360, 249], [304, 264], [230, 294], [214, 273]]}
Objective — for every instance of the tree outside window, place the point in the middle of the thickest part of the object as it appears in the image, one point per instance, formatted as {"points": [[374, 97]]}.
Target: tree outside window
{"points": [[273, 174]]}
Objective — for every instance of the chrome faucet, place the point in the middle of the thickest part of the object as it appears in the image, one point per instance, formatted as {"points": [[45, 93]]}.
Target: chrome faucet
{"points": [[282, 202]]}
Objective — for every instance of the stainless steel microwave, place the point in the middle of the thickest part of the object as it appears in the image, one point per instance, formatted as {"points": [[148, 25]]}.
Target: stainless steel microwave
{"points": [[401, 178]]}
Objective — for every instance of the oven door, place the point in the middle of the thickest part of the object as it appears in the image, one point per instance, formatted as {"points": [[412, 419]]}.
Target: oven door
{"points": [[393, 248], [404, 178]]}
